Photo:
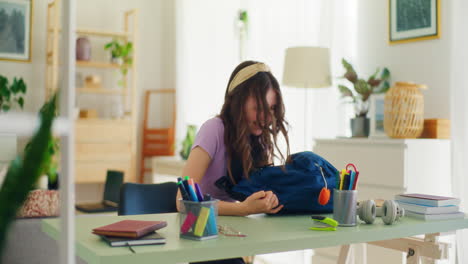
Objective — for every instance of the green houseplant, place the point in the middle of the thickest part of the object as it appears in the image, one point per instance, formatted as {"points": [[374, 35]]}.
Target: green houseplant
{"points": [[11, 93], [24, 171], [50, 166], [188, 141], [360, 93], [122, 53]]}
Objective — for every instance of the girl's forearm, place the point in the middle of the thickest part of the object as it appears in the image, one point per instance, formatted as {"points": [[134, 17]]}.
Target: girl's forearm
{"points": [[232, 208]]}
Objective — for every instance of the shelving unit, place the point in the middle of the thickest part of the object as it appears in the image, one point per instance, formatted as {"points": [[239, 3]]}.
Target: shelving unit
{"points": [[100, 144]]}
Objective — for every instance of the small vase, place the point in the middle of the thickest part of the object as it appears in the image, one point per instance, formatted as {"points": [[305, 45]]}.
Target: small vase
{"points": [[83, 49], [360, 126]]}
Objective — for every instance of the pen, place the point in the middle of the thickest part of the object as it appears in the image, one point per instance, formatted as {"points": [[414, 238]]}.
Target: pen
{"points": [[130, 247]]}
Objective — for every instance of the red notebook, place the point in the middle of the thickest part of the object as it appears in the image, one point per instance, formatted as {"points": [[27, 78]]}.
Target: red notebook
{"points": [[129, 228]]}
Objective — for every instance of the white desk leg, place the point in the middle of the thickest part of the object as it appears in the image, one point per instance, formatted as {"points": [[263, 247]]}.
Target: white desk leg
{"points": [[344, 253]]}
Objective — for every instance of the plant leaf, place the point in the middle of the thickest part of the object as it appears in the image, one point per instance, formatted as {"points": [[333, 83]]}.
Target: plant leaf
{"points": [[361, 87], [350, 74], [385, 74], [20, 102], [345, 91]]}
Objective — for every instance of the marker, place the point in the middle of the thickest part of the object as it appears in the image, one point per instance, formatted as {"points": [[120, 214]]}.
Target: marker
{"points": [[186, 186], [192, 193], [346, 181], [355, 180], [351, 180], [201, 221], [198, 192], [184, 193], [343, 173], [188, 222]]}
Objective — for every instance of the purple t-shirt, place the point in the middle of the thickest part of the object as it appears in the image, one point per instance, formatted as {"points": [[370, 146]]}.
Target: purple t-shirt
{"points": [[210, 138]]}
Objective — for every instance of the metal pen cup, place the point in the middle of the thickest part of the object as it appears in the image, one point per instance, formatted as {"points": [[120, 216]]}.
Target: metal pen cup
{"points": [[344, 207]]}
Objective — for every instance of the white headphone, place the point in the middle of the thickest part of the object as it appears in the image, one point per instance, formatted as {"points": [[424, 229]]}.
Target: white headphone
{"points": [[390, 211]]}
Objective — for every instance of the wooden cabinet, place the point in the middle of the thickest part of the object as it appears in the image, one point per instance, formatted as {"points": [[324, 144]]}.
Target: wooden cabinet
{"points": [[388, 167], [101, 143]]}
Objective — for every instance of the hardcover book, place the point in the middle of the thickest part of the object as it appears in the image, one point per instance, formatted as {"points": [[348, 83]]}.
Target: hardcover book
{"points": [[129, 228], [149, 239], [424, 199]]}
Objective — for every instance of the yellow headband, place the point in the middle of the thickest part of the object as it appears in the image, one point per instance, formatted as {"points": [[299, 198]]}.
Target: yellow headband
{"points": [[246, 73]]}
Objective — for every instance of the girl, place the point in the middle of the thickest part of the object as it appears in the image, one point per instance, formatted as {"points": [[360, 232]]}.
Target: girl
{"points": [[241, 138]]}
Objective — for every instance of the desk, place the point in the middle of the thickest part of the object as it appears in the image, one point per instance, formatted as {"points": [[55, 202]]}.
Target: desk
{"points": [[265, 234]]}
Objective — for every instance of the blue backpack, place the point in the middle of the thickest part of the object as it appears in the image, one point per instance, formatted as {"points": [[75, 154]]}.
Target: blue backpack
{"points": [[297, 186]]}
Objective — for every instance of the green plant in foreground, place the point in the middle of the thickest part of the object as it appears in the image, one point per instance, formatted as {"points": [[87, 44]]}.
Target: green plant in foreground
{"points": [[188, 141], [24, 171]]}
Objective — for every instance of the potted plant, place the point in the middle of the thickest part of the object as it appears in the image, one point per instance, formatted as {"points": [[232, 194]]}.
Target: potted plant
{"points": [[121, 53], [188, 141], [360, 93], [11, 93]]}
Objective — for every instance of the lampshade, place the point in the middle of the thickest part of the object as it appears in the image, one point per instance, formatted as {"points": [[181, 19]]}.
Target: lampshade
{"points": [[307, 67]]}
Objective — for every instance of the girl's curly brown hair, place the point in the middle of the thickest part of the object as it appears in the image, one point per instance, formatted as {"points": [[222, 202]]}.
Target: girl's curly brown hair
{"points": [[253, 151]]}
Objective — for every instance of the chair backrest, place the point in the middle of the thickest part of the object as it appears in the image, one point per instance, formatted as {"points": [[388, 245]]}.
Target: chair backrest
{"points": [[136, 198]]}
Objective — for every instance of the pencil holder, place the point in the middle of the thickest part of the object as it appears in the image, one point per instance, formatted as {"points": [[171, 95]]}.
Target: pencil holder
{"points": [[344, 207], [198, 220]]}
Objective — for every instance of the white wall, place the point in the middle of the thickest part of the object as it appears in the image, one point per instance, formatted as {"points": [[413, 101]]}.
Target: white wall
{"points": [[155, 48], [208, 51], [426, 62]]}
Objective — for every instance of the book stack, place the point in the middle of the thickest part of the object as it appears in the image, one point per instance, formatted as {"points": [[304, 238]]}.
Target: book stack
{"points": [[429, 207], [131, 233]]}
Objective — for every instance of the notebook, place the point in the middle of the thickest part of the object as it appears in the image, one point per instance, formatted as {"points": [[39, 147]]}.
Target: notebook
{"points": [[129, 228], [425, 209], [149, 239], [424, 199], [456, 215], [110, 201]]}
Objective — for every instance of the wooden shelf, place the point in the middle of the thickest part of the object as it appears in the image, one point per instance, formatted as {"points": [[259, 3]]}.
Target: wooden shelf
{"points": [[99, 33], [101, 91], [97, 64]]}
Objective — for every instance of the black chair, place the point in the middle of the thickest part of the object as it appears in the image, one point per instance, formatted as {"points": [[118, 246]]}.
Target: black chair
{"points": [[138, 198]]}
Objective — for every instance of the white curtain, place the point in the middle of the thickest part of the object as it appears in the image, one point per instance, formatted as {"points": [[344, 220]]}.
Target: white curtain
{"points": [[459, 116], [275, 26]]}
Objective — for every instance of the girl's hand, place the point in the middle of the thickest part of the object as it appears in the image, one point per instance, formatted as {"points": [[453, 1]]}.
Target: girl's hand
{"points": [[262, 202]]}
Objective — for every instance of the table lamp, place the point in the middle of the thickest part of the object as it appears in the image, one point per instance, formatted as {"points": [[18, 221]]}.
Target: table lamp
{"points": [[307, 67]]}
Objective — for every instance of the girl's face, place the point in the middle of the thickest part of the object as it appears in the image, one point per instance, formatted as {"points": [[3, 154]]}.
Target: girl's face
{"points": [[251, 112]]}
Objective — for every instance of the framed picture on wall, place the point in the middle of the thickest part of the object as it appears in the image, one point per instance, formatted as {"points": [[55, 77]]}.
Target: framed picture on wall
{"points": [[376, 116], [412, 20], [15, 30]]}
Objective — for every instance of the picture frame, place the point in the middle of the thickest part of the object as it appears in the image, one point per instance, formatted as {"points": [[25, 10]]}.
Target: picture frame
{"points": [[413, 20], [376, 116], [15, 33]]}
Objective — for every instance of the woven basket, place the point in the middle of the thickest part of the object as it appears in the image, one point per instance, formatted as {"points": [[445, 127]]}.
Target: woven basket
{"points": [[404, 110]]}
